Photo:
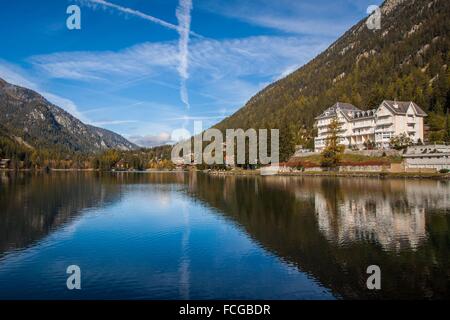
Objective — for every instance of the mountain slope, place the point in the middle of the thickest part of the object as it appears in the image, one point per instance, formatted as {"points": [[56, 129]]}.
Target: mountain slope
{"points": [[28, 118], [406, 60]]}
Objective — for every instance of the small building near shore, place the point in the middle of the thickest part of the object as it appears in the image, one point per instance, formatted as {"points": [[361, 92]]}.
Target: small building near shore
{"points": [[122, 165], [427, 157]]}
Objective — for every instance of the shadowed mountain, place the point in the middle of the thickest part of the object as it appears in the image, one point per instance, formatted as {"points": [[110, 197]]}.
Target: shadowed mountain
{"points": [[407, 59], [31, 120]]}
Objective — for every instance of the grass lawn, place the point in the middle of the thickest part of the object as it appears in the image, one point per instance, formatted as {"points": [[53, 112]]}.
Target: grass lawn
{"points": [[347, 159]]}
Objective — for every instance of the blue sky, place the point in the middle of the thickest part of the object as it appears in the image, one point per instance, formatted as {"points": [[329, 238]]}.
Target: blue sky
{"points": [[143, 68]]}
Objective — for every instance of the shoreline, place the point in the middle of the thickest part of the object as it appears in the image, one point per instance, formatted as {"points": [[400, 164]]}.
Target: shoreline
{"points": [[380, 175], [355, 174]]}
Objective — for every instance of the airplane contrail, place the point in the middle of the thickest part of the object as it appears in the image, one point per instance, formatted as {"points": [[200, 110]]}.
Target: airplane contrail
{"points": [[184, 22], [141, 15], [183, 28]]}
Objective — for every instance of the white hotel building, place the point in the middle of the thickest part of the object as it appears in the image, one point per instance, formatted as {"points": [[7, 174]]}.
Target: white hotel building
{"points": [[379, 125]]}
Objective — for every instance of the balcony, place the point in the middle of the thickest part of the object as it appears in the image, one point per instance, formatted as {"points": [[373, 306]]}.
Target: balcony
{"points": [[362, 126], [384, 123], [384, 130], [363, 131]]}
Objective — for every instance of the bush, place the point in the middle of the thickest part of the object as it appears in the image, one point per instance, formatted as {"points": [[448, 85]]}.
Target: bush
{"points": [[444, 171], [400, 142]]}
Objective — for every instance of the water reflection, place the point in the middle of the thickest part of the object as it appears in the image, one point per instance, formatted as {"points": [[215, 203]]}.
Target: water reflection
{"points": [[326, 229], [334, 228], [32, 205], [390, 212]]}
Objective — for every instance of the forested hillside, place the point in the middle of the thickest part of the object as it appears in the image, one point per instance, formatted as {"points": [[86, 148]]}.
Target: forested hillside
{"points": [[406, 60]]}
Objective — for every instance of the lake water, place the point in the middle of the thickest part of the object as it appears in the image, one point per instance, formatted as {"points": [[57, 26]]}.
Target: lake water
{"points": [[194, 236]]}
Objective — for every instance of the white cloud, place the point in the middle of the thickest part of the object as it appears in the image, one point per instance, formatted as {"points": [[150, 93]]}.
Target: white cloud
{"points": [[140, 60], [222, 74], [196, 118], [229, 71], [151, 140], [113, 122], [320, 17], [183, 14]]}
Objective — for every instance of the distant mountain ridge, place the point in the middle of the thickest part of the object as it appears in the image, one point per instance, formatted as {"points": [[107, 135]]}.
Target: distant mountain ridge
{"points": [[406, 60], [31, 120]]}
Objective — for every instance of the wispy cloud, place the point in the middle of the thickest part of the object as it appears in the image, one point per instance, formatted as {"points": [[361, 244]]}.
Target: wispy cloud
{"points": [[151, 140], [140, 60], [196, 118], [183, 14], [319, 17], [226, 73], [226, 64], [113, 122]]}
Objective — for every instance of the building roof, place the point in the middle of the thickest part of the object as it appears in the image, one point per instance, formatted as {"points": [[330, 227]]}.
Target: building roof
{"points": [[352, 112], [331, 111], [364, 114], [401, 107]]}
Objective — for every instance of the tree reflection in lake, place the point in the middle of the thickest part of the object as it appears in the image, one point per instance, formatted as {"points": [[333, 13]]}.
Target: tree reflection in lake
{"points": [[32, 205], [330, 229], [334, 228]]}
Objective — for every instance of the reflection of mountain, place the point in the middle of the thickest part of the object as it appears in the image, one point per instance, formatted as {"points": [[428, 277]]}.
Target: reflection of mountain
{"points": [[334, 228], [34, 205], [31, 205]]}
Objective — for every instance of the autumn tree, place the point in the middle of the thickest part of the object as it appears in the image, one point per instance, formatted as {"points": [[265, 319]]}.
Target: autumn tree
{"points": [[330, 156], [400, 142]]}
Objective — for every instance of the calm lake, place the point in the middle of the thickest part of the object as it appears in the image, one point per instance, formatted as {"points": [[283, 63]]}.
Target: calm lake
{"points": [[194, 236]]}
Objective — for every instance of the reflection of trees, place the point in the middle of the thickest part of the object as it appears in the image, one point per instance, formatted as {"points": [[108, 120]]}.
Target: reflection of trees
{"points": [[279, 213], [32, 205], [332, 229]]}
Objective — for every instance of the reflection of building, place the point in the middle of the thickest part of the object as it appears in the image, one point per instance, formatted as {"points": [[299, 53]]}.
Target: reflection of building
{"points": [[361, 219], [377, 126], [396, 222], [428, 157], [4, 163]]}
